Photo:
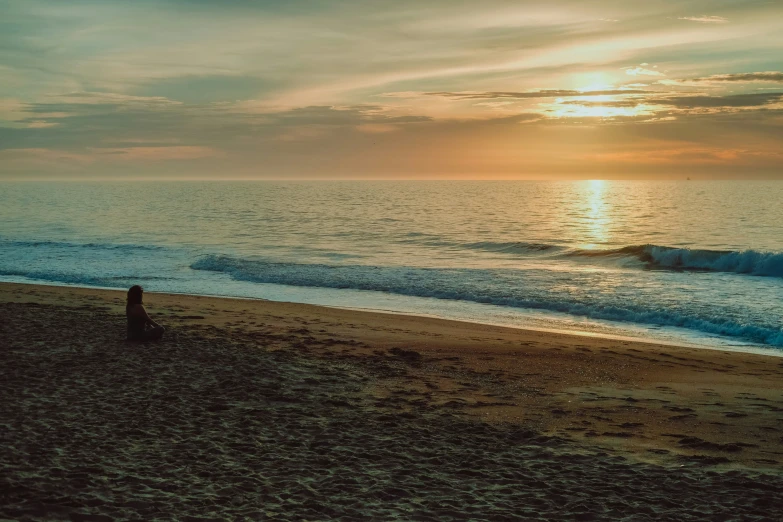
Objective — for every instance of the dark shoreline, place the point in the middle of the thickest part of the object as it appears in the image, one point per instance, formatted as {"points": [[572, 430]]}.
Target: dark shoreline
{"points": [[217, 423]]}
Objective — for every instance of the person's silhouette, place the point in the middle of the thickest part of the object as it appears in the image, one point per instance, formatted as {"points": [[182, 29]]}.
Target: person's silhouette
{"points": [[138, 320]]}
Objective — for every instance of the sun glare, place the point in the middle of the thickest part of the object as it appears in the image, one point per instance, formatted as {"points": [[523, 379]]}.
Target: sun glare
{"points": [[596, 106], [596, 87], [597, 213]]}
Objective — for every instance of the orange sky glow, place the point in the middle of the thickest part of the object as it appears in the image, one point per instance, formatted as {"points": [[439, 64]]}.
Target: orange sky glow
{"points": [[387, 90]]}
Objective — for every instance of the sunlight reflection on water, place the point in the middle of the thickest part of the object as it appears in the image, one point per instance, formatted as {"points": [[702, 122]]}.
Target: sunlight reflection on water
{"points": [[576, 248]]}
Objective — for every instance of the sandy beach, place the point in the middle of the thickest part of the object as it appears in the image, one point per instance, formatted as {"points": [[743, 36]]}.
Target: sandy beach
{"points": [[256, 410]]}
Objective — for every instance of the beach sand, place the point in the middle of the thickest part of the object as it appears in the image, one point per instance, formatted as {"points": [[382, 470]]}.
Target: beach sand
{"points": [[261, 410]]}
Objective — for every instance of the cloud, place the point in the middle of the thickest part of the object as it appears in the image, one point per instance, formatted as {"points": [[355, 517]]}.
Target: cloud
{"points": [[155, 153], [551, 93], [641, 71], [677, 154], [732, 101], [704, 19], [143, 129], [37, 157], [525, 117], [111, 154], [767, 76], [343, 115], [75, 104], [687, 104], [246, 84], [38, 124], [111, 98], [618, 103]]}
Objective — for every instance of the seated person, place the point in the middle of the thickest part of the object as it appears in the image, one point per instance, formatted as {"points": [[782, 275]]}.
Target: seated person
{"points": [[138, 320]]}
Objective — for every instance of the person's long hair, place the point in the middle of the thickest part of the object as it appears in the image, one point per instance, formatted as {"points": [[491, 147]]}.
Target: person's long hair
{"points": [[134, 297]]}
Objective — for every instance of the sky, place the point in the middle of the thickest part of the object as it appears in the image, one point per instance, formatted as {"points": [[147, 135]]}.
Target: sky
{"points": [[376, 89]]}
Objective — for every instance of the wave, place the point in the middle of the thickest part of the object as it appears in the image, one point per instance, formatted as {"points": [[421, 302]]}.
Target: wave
{"points": [[745, 262], [61, 244], [497, 287], [506, 247], [657, 257], [55, 276], [750, 262], [520, 247], [74, 279], [576, 292], [91, 264]]}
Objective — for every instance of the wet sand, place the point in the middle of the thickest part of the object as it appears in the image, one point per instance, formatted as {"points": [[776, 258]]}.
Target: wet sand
{"points": [[262, 410]]}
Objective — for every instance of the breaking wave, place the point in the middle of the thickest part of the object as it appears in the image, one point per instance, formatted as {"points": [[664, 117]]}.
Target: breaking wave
{"points": [[605, 295], [497, 287], [71, 278], [750, 262]]}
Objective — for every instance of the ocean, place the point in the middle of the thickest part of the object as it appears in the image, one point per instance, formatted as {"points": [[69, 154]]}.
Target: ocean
{"points": [[687, 262]]}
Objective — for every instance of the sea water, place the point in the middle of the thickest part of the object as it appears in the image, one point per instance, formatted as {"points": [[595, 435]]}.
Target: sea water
{"points": [[689, 262]]}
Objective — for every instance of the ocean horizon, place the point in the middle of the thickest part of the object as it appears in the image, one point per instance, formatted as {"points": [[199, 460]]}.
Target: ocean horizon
{"points": [[684, 262]]}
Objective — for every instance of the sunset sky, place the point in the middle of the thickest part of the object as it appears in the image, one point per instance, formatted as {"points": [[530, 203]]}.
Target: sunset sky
{"points": [[391, 89]]}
